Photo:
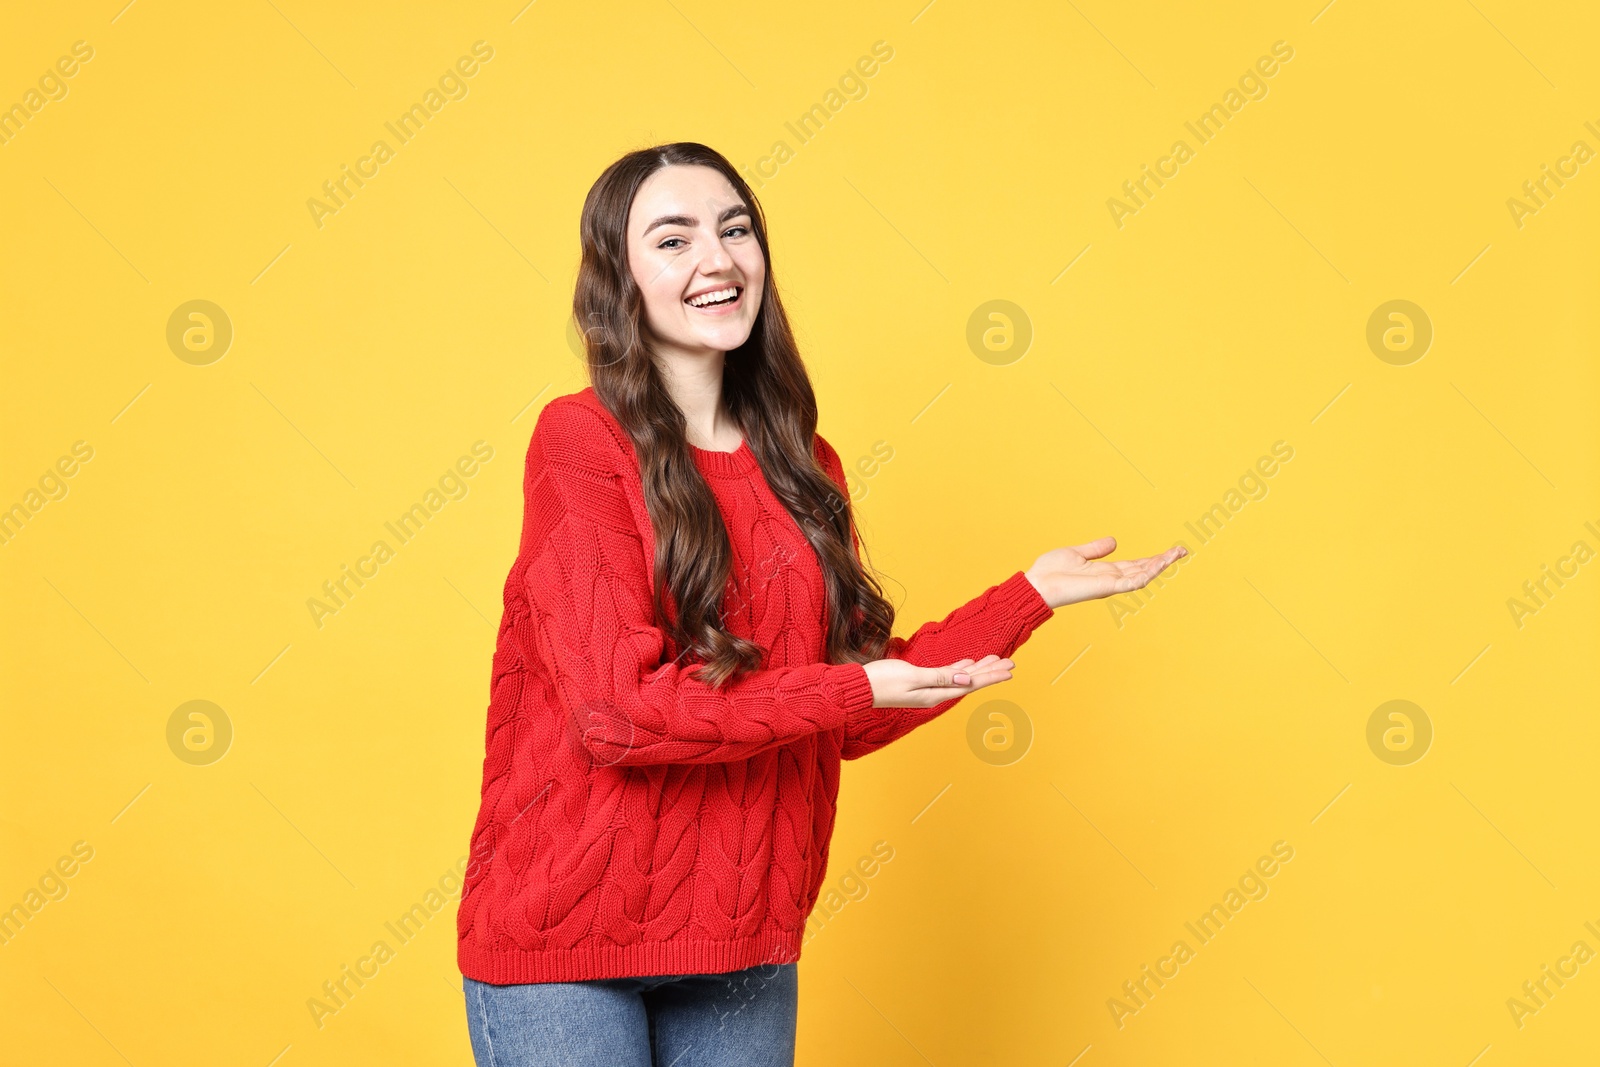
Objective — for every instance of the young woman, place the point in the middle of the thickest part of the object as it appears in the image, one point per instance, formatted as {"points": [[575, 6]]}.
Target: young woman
{"points": [[690, 645]]}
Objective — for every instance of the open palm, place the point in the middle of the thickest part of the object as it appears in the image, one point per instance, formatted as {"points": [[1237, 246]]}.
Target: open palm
{"points": [[1077, 573]]}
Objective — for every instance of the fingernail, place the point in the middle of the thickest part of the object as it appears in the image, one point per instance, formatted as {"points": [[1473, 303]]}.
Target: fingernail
{"points": [[962, 678]]}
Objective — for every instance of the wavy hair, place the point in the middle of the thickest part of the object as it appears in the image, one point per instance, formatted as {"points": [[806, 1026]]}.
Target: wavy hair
{"points": [[768, 394]]}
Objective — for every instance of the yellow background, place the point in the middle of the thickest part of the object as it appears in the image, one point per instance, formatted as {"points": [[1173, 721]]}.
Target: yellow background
{"points": [[1167, 753]]}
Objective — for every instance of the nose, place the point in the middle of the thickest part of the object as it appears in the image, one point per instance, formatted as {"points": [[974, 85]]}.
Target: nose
{"points": [[717, 259]]}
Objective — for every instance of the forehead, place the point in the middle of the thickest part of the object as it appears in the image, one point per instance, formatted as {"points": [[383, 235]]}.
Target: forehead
{"points": [[678, 189]]}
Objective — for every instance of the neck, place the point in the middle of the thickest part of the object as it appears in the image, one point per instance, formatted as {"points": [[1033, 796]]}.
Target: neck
{"points": [[695, 384]]}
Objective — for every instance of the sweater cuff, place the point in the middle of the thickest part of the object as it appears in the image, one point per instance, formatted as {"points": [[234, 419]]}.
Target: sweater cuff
{"points": [[849, 687], [1018, 596]]}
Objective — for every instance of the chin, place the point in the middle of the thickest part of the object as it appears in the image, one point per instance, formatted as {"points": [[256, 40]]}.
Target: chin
{"points": [[724, 340]]}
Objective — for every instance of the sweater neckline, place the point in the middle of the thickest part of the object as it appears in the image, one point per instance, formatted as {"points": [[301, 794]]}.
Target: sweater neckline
{"points": [[740, 461]]}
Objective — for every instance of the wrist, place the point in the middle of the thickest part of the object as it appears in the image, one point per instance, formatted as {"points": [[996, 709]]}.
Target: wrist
{"points": [[855, 690], [1042, 587]]}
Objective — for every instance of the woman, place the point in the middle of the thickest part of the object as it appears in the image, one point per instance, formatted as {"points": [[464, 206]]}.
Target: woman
{"points": [[690, 646]]}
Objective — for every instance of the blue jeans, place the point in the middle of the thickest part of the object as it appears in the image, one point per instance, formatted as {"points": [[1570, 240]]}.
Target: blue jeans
{"points": [[738, 1019]]}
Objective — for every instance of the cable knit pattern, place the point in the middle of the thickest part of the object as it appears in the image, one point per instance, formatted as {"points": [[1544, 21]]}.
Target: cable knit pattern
{"points": [[634, 819]]}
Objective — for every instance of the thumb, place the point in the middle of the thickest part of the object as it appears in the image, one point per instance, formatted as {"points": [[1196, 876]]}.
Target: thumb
{"points": [[1100, 546]]}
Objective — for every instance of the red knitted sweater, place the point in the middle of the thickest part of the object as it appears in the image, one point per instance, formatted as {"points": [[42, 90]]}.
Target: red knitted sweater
{"points": [[635, 820]]}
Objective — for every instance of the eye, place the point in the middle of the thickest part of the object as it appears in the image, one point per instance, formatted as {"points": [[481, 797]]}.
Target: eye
{"points": [[741, 230]]}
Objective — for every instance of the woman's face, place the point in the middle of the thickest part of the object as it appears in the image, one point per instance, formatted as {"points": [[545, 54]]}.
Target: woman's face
{"points": [[690, 236]]}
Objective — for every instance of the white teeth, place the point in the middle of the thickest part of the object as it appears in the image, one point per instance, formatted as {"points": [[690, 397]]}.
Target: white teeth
{"points": [[708, 298]]}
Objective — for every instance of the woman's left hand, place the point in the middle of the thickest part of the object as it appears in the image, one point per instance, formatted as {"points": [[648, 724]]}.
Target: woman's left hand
{"points": [[1071, 575]]}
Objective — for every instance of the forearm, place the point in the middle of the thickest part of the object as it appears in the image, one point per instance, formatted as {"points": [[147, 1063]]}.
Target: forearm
{"points": [[996, 622], [627, 708], [671, 716]]}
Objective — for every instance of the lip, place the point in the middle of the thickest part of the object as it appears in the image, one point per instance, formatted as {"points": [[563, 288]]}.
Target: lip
{"points": [[718, 309], [713, 288]]}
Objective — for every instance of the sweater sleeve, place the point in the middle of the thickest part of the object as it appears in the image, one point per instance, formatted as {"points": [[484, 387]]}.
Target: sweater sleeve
{"points": [[591, 623], [996, 622]]}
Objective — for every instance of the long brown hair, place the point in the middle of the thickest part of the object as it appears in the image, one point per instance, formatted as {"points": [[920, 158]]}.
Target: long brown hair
{"points": [[766, 391]]}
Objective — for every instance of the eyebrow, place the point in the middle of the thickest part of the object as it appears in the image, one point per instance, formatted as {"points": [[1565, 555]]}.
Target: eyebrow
{"points": [[684, 220]]}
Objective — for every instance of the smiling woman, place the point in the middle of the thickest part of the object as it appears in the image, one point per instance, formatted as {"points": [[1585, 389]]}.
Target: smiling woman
{"points": [[690, 647], [702, 273]]}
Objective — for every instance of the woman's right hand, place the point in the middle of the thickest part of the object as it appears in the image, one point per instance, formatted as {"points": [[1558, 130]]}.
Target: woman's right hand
{"points": [[899, 684]]}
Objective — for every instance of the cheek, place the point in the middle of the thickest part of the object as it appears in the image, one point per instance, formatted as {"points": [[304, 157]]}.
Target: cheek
{"points": [[661, 290], [754, 269], [650, 272], [661, 304]]}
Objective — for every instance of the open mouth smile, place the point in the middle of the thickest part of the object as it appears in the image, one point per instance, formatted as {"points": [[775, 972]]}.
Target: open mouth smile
{"points": [[713, 301]]}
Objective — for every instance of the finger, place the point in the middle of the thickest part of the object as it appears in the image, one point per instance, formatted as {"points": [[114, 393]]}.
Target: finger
{"points": [[989, 677], [980, 664], [1142, 570], [942, 678], [1137, 573], [1095, 549], [962, 680], [965, 667], [962, 668], [1156, 564], [939, 694], [1169, 557]]}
